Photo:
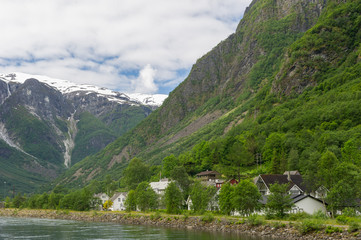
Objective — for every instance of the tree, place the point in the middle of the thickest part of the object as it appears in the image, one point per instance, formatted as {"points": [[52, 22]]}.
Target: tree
{"points": [[200, 196], [173, 198], [7, 202], [54, 199], [169, 163], [136, 172], [225, 199], [245, 198], [131, 201], [273, 146], [108, 204], [179, 174], [347, 189], [293, 158], [279, 201], [351, 151], [239, 157], [108, 185], [326, 167], [83, 199], [18, 201], [42, 201], [60, 189], [146, 198]]}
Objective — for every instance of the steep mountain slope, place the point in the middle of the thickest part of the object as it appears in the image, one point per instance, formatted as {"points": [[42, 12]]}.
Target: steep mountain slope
{"points": [[227, 86], [52, 124]]}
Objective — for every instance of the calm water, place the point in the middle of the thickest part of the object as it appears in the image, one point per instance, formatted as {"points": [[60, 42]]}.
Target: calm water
{"points": [[20, 228]]}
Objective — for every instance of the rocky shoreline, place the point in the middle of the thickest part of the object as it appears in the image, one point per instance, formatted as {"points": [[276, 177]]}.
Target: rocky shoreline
{"points": [[179, 221]]}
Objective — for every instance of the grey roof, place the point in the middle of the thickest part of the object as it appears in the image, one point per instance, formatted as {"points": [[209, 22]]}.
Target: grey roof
{"points": [[117, 194], [269, 179], [297, 198]]}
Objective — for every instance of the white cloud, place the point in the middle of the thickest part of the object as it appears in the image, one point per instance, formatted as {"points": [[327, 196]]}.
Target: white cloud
{"points": [[145, 82], [92, 41]]}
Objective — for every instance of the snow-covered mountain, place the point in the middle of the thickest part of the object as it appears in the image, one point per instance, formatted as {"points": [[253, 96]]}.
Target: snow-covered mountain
{"points": [[65, 87], [48, 125]]}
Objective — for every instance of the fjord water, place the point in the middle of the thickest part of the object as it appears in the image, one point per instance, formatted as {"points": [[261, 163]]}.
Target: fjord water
{"points": [[32, 228]]}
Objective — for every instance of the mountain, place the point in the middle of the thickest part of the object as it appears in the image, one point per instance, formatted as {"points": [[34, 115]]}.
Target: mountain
{"points": [[225, 87], [283, 92], [48, 125]]}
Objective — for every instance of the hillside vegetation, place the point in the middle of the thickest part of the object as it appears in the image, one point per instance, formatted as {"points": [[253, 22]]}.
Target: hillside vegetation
{"points": [[283, 92]]}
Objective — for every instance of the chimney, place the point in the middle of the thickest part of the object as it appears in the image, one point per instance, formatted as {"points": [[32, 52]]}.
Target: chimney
{"points": [[289, 176]]}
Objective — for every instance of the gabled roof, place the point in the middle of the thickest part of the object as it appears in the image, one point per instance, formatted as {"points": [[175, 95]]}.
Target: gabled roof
{"points": [[295, 198], [117, 194], [162, 185], [99, 195], [269, 179], [206, 173], [300, 197]]}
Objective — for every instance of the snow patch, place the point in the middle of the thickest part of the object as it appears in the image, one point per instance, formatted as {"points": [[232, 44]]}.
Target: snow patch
{"points": [[65, 86]]}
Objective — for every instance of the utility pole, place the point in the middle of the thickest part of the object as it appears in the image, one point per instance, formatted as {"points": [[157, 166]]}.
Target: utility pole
{"points": [[4, 190]]}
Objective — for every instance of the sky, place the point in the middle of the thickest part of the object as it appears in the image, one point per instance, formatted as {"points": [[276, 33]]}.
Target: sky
{"points": [[143, 46]]}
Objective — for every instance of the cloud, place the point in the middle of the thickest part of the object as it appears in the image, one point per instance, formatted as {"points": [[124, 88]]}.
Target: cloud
{"points": [[145, 82], [101, 42]]}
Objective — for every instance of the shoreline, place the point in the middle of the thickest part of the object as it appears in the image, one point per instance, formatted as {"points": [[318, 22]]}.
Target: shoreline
{"points": [[226, 225]]}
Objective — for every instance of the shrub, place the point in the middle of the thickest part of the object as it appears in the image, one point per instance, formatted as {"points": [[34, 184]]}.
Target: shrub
{"points": [[343, 219], [185, 216], [297, 216], [309, 225], [349, 212], [320, 215], [353, 227], [155, 216], [255, 220], [278, 225], [208, 217], [331, 229]]}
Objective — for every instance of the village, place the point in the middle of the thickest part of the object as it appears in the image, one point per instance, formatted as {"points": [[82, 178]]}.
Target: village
{"points": [[302, 198]]}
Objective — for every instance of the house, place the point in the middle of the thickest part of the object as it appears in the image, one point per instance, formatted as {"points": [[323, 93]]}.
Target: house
{"points": [[220, 182], [302, 203], [103, 197], [159, 187], [308, 204], [321, 192], [118, 200], [208, 175], [292, 178], [212, 205]]}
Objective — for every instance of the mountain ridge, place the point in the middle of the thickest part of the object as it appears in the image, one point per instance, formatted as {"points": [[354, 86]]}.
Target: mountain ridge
{"points": [[65, 87], [215, 94]]}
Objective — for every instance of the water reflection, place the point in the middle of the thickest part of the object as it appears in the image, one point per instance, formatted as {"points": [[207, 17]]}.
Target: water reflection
{"points": [[26, 228]]}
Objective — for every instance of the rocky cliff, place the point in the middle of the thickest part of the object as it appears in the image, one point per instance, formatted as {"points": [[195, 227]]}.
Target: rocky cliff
{"points": [[44, 130]]}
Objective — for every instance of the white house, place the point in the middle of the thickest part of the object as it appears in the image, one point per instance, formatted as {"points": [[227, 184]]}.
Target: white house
{"points": [[103, 197], [292, 178], [308, 204], [212, 205], [159, 187], [118, 200]]}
